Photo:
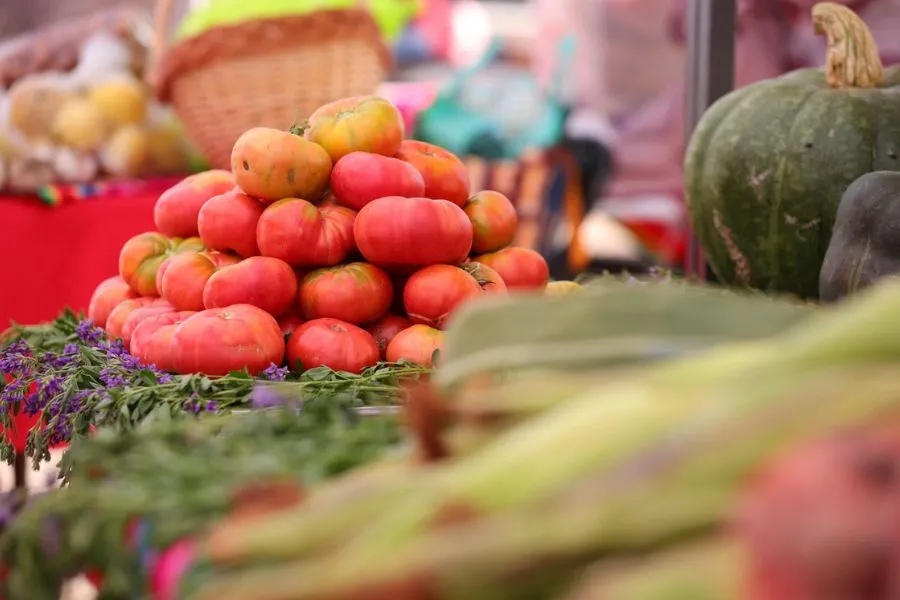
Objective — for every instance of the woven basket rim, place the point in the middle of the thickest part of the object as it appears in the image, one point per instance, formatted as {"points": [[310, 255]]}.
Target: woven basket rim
{"points": [[244, 40]]}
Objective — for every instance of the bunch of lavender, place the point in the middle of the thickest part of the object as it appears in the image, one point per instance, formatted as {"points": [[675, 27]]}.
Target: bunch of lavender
{"points": [[71, 376]]}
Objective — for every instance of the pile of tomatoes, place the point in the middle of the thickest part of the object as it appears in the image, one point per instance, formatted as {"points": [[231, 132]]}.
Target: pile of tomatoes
{"points": [[337, 244]]}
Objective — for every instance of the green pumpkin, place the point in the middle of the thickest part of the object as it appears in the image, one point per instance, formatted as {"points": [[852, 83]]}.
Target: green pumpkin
{"points": [[767, 165]]}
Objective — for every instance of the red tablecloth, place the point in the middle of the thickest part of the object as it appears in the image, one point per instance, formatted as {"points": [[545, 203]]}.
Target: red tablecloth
{"points": [[54, 257]]}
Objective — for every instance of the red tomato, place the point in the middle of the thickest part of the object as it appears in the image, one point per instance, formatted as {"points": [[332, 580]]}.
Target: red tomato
{"points": [[264, 282], [142, 255], [494, 220], [271, 164], [109, 294], [137, 316], [116, 320], [220, 340], [227, 223], [331, 343], [183, 277], [304, 235], [288, 323], [359, 124], [356, 293], [175, 213], [520, 268], [151, 339], [433, 293], [416, 344], [403, 234], [361, 177], [489, 279], [446, 177], [384, 330]]}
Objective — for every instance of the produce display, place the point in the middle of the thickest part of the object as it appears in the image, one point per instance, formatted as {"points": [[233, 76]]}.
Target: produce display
{"points": [[328, 375], [320, 235], [605, 469], [768, 164], [91, 119]]}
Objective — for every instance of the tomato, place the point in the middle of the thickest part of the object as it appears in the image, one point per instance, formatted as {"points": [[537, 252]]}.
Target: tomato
{"points": [[446, 177], [183, 277], [520, 268], [271, 164], [151, 339], [331, 343], [403, 234], [120, 313], [359, 124], [288, 323], [304, 235], [220, 340], [385, 329], [562, 288], [175, 213], [361, 177], [263, 281], [416, 344], [142, 255], [138, 315], [489, 279], [228, 223], [432, 294], [108, 294], [494, 220], [356, 293]]}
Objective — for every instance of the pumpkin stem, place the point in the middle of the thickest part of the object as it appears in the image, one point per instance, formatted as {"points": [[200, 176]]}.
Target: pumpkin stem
{"points": [[852, 59]]}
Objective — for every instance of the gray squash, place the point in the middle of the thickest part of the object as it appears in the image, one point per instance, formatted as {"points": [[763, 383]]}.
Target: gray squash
{"points": [[865, 243]]}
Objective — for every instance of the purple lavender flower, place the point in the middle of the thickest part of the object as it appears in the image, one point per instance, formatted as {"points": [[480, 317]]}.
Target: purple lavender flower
{"points": [[111, 379], [161, 376], [211, 406], [266, 395], [275, 373], [70, 349], [88, 333], [14, 359], [13, 391], [130, 362]]}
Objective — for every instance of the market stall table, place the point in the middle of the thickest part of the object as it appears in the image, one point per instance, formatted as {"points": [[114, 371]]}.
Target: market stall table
{"points": [[54, 256]]}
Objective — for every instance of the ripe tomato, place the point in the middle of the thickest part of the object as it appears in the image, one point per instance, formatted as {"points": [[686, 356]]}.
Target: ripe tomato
{"points": [[262, 281], [446, 177], [220, 340], [361, 177], [288, 323], [433, 293], [271, 164], [356, 293], [116, 320], [138, 315], [416, 344], [403, 234], [227, 223], [175, 213], [489, 279], [142, 255], [359, 124], [520, 268], [152, 338], [182, 278], [494, 220], [331, 343], [109, 294], [304, 235], [385, 329]]}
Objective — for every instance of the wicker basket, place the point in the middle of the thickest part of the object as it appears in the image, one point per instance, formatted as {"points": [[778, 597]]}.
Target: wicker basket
{"points": [[270, 72]]}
